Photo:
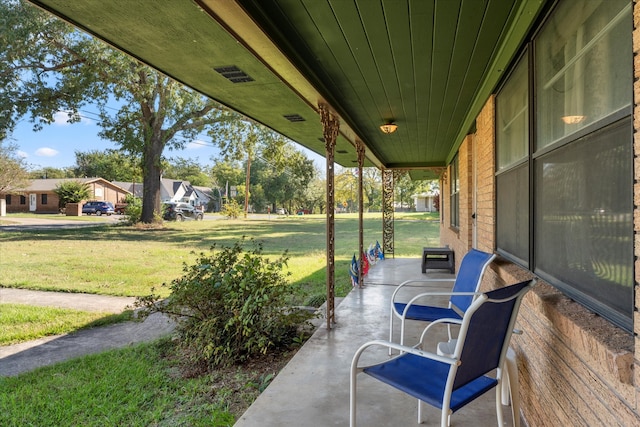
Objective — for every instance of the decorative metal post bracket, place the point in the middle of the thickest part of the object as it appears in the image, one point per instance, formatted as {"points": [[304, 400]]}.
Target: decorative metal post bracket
{"points": [[387, 212], [330, 128]]}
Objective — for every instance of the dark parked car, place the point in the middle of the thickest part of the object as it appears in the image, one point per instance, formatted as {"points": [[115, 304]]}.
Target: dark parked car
{"points": [[98, 208], [181, 211], [121, 208]]}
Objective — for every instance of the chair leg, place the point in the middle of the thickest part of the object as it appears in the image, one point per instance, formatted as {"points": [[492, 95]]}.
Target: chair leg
{"points": [[352, 401], [445, 418], [499, 406], [513, 384]]}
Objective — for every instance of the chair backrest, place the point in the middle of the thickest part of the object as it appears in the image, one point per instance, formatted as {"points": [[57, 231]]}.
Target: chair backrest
{"points": [[486, 330], [469, 277]]}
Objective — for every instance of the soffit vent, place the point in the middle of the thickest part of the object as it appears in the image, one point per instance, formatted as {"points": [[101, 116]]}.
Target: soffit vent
{"points": [[234, 74], [294, 118]]}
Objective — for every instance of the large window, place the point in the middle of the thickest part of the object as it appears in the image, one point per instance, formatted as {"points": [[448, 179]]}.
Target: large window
{"points": [[576, 170], [512, 138]]}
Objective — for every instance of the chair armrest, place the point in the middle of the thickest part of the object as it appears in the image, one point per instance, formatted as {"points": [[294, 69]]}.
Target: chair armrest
{"points": [[402, 349], [443, 321], [413, 300], [408, 282]]}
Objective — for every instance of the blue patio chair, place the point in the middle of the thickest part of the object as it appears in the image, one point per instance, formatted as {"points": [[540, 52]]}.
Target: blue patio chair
{"points": [[465, 289], [451, 382]]}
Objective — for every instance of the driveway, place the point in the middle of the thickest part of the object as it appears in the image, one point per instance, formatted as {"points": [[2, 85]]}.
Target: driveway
{"points": [[10, 223]]}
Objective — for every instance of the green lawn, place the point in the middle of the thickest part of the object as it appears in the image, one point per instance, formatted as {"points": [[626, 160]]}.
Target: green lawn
{"points": [[19, 323], [128, 387], [119, 260], [140, 386]]}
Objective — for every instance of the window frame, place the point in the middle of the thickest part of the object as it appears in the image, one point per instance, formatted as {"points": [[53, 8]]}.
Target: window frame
{"points": [[607, 124]]}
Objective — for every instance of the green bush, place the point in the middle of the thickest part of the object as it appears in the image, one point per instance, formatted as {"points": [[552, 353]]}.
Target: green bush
{"points": [[316, 300], [231, 209], [71, 192], [231, 305], [133, 210]]}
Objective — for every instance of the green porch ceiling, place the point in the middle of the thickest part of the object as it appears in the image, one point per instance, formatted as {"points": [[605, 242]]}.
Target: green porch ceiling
{"points": [[427, 65]]}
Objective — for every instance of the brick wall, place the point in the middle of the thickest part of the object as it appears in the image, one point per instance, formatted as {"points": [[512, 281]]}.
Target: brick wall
{"points": [[50, 207], [575, 367], [485, 143]]}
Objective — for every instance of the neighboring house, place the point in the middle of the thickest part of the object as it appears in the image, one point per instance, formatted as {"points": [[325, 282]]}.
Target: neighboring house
{"points": [[425, 202], [205, 198], [172, 190], [39, 196], [134, 188], [182, 191]]}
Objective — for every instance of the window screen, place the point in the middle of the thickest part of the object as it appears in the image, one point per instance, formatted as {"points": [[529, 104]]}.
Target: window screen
{"points": [[584, 224]]}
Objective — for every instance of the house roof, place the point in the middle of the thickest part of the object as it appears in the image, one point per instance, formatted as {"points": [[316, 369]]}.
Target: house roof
{"points": [[203, 193], [428, 66], [47, 185], [134, 188]]}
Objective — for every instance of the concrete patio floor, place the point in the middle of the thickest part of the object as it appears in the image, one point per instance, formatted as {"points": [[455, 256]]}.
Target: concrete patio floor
{"points": [[313, 389]]}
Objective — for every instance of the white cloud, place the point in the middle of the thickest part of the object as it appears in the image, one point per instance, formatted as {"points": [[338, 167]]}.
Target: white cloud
{"points": [[22, 154], [46, 152], [61, 118], [196, 145]]}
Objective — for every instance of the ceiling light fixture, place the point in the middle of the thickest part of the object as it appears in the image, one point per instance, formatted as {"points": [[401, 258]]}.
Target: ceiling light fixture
{"points": [[573, 120], [389, 128]]}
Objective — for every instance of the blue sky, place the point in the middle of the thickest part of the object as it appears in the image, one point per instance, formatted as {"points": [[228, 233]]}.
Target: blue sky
{"points": [[55, 145]]}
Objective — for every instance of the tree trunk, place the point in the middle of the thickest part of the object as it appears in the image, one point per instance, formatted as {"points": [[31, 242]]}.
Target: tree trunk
{"points": [[151, 181], [246, 187]]}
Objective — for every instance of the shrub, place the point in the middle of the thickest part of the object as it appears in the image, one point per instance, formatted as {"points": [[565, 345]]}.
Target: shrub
{"points": [[133, 210], [71, 192], [231, 305], [316, 300], [231, 209]]}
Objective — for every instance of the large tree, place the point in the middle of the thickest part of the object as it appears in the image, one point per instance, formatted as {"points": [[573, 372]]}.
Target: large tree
{"points": [[112, 165], [244, 141], [188, 170], [225, 173], [13, 169], [46, 66], [51, 172], [372, 188]]}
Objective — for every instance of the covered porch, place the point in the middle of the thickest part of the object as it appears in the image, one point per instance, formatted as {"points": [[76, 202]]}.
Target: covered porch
{"points": [[313, 389]]}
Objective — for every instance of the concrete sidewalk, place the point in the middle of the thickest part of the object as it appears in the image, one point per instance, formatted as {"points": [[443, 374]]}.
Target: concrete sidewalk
{"points": [[54, 221], [24, 357], [87, 302]]}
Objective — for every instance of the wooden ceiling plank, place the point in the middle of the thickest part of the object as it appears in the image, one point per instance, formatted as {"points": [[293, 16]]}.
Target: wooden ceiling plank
{"points": [[446, 20], [421, 24]]}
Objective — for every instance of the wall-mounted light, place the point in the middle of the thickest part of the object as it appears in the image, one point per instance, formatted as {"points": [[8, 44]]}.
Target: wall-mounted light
{"points": [[389, 128], [573, 120]]}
